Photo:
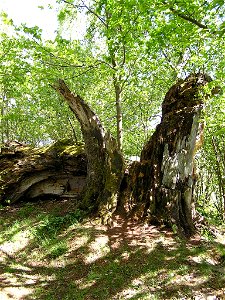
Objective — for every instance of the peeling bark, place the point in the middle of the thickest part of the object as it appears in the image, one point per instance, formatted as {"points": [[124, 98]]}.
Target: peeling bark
{"points": [[160, 186]]}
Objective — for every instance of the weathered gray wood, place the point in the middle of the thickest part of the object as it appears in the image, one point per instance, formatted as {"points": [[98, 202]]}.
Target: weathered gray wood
{"points": [[160, 186], [28, 173]]}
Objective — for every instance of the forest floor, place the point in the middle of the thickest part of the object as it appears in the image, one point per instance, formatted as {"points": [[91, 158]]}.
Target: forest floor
{"points": [[46, 253]]}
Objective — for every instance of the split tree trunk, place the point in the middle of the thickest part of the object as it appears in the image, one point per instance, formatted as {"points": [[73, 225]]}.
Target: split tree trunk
{"points": [[160, 186], [105, 162]]}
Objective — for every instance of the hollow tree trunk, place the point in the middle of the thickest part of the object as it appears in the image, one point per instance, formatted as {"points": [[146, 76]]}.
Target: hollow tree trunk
{"points": [[160, 186], [105, 162]]}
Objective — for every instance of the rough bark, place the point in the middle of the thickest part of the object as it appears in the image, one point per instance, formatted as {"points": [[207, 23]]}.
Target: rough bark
{"points": [[29, 173], [105, 162], [160, 186]]}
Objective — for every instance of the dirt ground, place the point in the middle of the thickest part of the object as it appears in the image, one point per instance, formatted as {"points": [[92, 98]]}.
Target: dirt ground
{"points": [[128, 260]]}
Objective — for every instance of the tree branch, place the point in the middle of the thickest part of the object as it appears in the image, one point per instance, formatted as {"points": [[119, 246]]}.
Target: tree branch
{"points": [[189, 19], [84, 72], [169, 61], [101, 19], [192, 20], [124, 48], [62, 66]]}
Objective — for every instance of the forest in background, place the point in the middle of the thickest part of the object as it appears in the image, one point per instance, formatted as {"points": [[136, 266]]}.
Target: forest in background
{"points": [[130, 55]]}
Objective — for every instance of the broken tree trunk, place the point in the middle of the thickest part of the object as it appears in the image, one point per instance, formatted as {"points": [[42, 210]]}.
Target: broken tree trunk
{"points": [[160, 186], [26, 173], [105, 162]]}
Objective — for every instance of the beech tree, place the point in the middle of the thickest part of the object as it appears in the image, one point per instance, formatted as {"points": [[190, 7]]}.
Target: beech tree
{"points": [[130, 39], [134, 51], [113, 33]]}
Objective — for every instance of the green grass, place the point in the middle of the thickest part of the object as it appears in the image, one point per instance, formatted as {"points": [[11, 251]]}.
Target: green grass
{"points": [[26, 210], [57, 250], [50, 226], [48, 253]]}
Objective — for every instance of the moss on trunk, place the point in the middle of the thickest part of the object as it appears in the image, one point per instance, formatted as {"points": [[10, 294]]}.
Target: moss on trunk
{"points": [[105, 162]]}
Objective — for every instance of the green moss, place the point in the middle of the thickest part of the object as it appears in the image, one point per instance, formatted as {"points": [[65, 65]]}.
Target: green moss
{"points": [[66, 146], [61, 147], [74, 149]]}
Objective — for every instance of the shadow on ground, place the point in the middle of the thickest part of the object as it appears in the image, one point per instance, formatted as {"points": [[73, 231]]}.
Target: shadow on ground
{"points": [[127, 261]]}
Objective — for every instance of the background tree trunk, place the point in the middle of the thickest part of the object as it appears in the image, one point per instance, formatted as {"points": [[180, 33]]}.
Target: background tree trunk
{"points": [[219, 154], [105, 162], [119, 117], [160, 186]]}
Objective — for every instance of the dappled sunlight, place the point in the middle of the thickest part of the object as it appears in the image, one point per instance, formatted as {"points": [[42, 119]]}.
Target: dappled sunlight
{"points": [[125, 255], [15, 293], [18, 281], [80, 241], [97, 249], [220, 238], [48, 258], [19, 241]]}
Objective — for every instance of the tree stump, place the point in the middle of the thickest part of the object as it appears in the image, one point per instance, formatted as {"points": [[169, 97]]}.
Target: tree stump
{"points": [[160, 186]]}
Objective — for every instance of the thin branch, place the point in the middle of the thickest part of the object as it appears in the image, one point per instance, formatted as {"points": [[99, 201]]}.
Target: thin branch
{"points": [[62, 66], [124, 48], [94, 13], [101, 19], [189, 19], [82, 73], [105, 63], [194, 21], [134, 20], [72, 4], [134, 62], [124, 55], [169, 61], [92, 66]]}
